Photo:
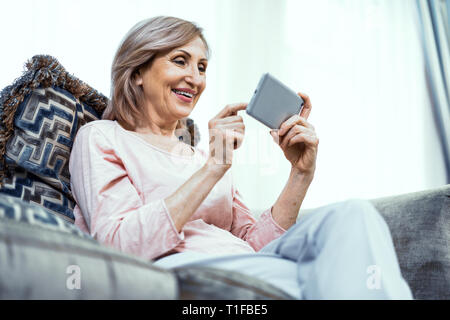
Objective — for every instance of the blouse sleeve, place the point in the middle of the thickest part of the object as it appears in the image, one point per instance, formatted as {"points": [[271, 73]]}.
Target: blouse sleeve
{"points": [[257, 233], [111, 205]]}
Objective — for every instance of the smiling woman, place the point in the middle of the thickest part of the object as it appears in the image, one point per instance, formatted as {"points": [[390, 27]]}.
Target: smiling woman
{"points": [[172, 82], [134, 193], [133, 78]]}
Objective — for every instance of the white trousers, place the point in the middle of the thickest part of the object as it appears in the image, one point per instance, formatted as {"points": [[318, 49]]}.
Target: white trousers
{"points": [[340, 251]]}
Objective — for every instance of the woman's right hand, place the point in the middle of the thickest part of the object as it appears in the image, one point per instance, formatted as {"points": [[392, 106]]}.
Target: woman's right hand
{"points": [[226, 133]]}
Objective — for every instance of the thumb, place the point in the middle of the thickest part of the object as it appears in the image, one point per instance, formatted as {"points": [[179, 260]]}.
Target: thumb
{"points": [[274, 135]]}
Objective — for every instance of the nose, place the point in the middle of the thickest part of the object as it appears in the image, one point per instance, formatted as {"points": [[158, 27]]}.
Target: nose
{"points": [[194, 78]]}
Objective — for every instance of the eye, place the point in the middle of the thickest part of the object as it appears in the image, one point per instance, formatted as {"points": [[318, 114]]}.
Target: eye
{"points": [[202, 68], [180, 61]]}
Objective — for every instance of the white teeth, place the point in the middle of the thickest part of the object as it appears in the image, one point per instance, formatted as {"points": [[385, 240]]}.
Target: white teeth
{"points": [[189, 95]]}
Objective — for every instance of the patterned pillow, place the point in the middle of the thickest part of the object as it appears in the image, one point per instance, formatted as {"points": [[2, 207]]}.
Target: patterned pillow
{"points": [[14, 210], [40, 116]]}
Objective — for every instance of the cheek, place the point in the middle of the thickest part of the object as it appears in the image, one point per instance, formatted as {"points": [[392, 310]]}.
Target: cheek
{"points": [[164, 76], [203, 86], [171, 74]]}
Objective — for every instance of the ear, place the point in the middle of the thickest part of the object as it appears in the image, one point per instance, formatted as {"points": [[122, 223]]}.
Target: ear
{"points": [[137, 78]]}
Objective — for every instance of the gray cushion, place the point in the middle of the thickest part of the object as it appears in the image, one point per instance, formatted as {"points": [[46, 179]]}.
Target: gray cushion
{"points": [[39, 249], [203, 283], [36, 262], [420, 227]]}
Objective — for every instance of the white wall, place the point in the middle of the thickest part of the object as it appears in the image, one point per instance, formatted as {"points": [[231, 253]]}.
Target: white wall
{"points": [[360, 62]]}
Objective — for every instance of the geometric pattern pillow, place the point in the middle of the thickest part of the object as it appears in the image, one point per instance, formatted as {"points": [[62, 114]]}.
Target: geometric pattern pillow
{"points": [[40, 116], [14, 210]]}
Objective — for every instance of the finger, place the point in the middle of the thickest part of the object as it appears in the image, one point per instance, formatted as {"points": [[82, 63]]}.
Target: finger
{"points": [[225, 132], [305, 138], [307, 106], [230, 119], [231, 110], [275, 137], [302, 121], [292, 121], [217, 122], [229, 139], [239, 126], [239, 139], [288, 124], [295, 130], [234, 139]]}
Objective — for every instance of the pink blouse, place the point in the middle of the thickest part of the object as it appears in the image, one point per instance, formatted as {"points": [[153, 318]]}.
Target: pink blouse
{"points": [[119, 182]]}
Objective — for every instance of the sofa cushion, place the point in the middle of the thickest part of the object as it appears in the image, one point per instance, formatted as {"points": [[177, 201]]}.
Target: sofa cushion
{"points": [[41, 263], [420, 226], [204, 283], [41, 114]]}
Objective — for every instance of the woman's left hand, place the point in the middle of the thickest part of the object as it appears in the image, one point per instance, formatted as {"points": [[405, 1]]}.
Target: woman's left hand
{"points": [[298, 140]]}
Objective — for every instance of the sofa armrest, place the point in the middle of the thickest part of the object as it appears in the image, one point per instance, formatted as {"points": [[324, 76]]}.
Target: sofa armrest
{"points": [[420, 226]]}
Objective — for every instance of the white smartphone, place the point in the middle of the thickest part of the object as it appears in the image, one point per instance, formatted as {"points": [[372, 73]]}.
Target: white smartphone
{"points": [[273, 102]]}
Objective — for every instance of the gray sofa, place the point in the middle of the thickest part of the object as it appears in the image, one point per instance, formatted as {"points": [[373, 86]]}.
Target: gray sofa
{"points": [[38, 252]]}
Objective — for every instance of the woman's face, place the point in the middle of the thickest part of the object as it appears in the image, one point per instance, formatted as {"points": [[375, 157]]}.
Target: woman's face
{"points": [[174, 81]]}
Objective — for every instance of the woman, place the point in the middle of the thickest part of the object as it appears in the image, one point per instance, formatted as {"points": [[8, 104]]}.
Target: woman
{"points": [[141, 190]]}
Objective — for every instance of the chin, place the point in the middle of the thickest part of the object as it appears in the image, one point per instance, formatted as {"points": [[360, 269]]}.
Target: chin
{"points": [[184, 111]]}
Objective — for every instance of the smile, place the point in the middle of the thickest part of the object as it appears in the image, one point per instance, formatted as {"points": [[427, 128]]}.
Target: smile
{"points": [[183, 95]]}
